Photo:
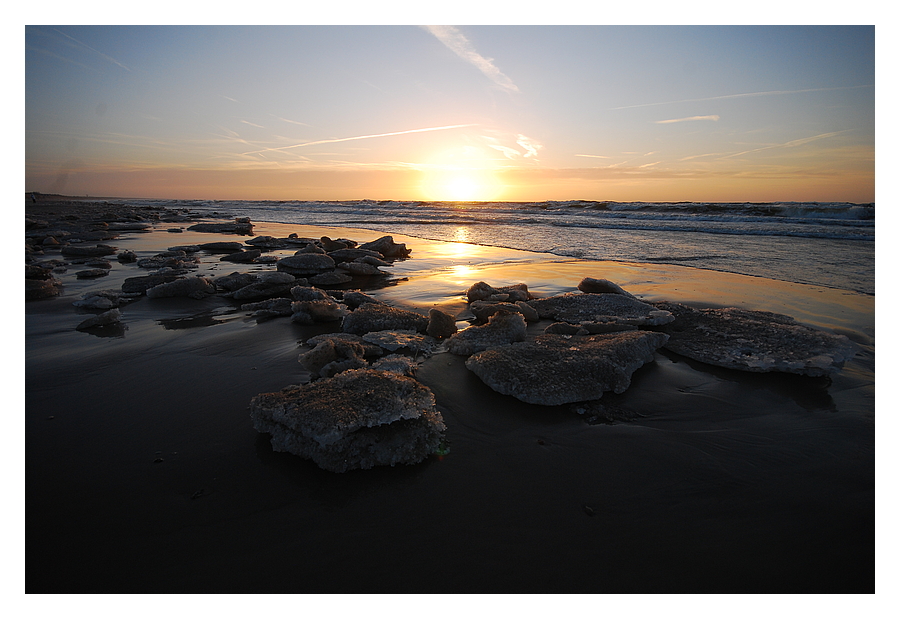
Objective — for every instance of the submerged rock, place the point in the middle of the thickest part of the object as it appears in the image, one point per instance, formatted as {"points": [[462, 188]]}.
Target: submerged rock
{"points": [[356, 420], [560, 369], [754, 341], [600, 307]]}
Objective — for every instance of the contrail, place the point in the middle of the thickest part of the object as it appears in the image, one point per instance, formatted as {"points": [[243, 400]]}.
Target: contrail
{"points": [[745, 94], [111, 59], [358, 137]]}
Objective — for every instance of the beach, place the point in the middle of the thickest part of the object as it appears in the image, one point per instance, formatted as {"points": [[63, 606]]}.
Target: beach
{"points": [[144, 473]]}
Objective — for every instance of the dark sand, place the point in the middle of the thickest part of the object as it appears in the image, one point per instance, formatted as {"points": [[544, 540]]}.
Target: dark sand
{"points": [[726, 482]]}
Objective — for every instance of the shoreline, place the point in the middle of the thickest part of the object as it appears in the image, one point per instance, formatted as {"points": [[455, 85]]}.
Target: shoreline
{"points": [[744, 474]]}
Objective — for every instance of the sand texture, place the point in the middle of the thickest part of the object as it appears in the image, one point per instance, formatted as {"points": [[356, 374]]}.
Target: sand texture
{"points": [[145, 472]]}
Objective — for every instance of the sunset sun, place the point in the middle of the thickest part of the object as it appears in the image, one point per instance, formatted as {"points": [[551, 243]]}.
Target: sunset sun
{"points": [[461, 185]]}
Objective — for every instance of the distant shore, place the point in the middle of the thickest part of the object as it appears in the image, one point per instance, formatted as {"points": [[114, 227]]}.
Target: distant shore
{"points": [[723, 481]]}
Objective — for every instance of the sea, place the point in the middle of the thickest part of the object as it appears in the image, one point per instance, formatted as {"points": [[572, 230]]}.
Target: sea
{"points": [[828, 244]]}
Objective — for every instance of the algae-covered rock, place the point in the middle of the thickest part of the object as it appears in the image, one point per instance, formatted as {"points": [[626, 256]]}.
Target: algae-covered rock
{"points": [[754, 341], [358, 419], [560, 369]]}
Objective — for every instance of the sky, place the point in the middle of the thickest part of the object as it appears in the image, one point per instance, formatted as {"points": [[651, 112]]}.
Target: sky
{"points": [[407, 112]]}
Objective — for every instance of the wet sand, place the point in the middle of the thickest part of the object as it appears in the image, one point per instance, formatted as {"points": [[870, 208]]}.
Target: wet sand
{"points": [[144, 473]]}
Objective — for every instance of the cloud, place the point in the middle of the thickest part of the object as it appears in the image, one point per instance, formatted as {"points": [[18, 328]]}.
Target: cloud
{"points": [[247, 122], [456, 42], [528, 145], [358, 137], [595, 156], [791, 144], [681, 120], [531, 147], [102, 55], [767, 93]]}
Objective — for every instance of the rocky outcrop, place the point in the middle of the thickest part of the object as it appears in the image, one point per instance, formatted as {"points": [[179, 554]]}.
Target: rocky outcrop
{"points": [[754, 341], [381, 317], [601, 307], [304, 265], [193, 287], [358, 419], [559, 369], [503, 328]]}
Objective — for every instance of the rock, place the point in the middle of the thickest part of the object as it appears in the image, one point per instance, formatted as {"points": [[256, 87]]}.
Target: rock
{"points": [[381, 317], [387, 247], [272, 308], [235, 281], [306, 264], [277, 277], [398, 364], [591, 285], [356, 420], [101, 320], [482, 291], [241, 225], [503, 328], [360, 268], [193, 287], [127, 256], [351, 254], [355, 298], [223, 247], [262, 290], [187, 249], [141, 284], [309, 293], [603, 307], [440, 324], [136, 226], [37, 272], [754, 341], [322, 310], [395, 340], [332, 356], [560, 369], [97, 250], [242, 256], [332, 278], [311, 248], [42, 288], [369, 350], [329, 245], [91, 273], [268, 242], [99, 299], [98, 263], [483, 310]]}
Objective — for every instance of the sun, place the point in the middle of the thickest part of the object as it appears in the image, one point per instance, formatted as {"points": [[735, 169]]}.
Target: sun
{"points": [[461, 185]]}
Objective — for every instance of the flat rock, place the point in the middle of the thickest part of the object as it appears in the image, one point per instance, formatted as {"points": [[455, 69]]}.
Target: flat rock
{"points": [[235, 227], [395, 340], [560, 369], [96, 250], [754, 341], [193, 287], [224, 247], [358, 419], [143, 283], [600, 307], [42, 288], [503, 328], [242, 256], [306, 264], [380, 317]]}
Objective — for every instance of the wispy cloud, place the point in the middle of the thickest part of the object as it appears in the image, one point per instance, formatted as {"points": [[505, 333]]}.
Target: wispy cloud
{"points": [[689, 118], [287, 120], [247, 122], [595, 156], [101, 54], [791, 144], [456, 42], [357, 137], [767, 93]]}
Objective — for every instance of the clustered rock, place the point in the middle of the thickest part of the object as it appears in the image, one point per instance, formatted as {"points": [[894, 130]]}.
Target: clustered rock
{"points": [[362, 405]]}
